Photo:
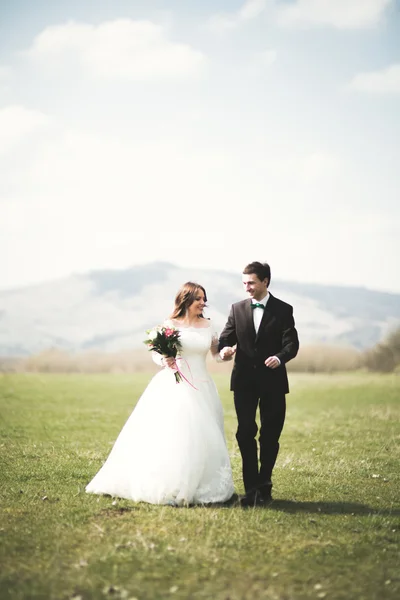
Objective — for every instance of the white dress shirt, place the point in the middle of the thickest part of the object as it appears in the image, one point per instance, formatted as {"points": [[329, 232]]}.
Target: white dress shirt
{"points": [[258, 312]]}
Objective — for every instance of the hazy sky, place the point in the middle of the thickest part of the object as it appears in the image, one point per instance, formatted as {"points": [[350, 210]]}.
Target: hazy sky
{"points": [[207, 134]]}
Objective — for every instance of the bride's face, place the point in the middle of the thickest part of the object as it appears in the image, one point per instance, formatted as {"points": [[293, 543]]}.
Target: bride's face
{"points": [[197, 306]]}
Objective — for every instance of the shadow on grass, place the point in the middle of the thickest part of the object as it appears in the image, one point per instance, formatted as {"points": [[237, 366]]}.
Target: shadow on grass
{"points": [[329, 508], [318, 508], [118, 511], [289, 506]]}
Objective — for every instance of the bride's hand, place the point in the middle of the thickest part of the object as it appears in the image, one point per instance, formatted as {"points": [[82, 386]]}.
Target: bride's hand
{"points": [[169, 362]]}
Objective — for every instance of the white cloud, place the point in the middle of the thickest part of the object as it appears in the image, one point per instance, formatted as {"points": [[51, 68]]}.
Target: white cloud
{"points": [[17, 123], [262, 61], [299, 170], [121, 49], [318, 166], [82, 199], [6, 80], [341, 14], [385, 81], [250, 10], [87, 183], [87, 200], [5, 73]]}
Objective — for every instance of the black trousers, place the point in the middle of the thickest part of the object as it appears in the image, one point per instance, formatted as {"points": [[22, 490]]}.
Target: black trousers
{"points": [[272, 417]]}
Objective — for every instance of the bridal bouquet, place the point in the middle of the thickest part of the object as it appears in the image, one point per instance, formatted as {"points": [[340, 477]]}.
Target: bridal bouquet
{"points": [[164, 340]]}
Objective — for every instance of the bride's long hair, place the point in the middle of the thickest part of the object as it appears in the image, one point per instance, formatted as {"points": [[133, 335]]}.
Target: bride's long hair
{"points": [[185, 298]]}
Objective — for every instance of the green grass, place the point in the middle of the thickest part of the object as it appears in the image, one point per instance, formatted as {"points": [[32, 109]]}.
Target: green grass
{"points": [[332, 531]]}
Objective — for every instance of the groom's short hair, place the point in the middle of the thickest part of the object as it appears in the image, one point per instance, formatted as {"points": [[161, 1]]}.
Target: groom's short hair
{"points": [[262, 270]]}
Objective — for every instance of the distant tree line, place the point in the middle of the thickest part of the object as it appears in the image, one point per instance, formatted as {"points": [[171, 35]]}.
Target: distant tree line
{"points": [[322, 358], [385, 356]]}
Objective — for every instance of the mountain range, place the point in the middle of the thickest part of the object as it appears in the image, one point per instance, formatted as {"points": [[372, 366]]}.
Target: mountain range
{"points": [[109, 310]]}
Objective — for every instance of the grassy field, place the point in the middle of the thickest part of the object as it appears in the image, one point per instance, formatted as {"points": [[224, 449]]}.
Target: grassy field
{"points": [[332, 531]]}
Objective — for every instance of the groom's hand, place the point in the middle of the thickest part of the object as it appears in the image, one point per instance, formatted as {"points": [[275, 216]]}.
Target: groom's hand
{"points": [[227, 353], [272, 362]]}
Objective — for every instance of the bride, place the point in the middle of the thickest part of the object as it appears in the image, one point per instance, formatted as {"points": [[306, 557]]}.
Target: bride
{"points": [[172, 448]]}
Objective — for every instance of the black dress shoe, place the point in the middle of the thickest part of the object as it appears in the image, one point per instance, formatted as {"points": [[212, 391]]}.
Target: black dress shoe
{"points": [[248, 501], [264, 499], [264, 492]]}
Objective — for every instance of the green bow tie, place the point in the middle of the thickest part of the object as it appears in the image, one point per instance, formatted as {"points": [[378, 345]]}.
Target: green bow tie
{"points": [[257, 305]]}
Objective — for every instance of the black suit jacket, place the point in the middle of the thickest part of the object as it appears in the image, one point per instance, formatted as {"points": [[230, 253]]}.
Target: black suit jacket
{"points": [[277, 336]]}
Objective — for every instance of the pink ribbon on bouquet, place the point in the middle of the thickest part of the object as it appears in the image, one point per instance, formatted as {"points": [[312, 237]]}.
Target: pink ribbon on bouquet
{"points": [[182, 375]]}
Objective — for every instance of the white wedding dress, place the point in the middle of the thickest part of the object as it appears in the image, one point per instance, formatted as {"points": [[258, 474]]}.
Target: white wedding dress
{"points": [[172, 448]]}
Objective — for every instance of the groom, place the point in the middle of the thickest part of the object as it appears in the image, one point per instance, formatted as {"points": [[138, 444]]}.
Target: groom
{"points": [[262, 329]]}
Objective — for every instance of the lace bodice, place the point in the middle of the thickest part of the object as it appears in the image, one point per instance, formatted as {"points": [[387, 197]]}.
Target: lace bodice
{"points": [[196, 343]]}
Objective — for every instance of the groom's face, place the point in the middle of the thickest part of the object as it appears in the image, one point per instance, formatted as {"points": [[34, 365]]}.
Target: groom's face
{"points": [[254, 287]]}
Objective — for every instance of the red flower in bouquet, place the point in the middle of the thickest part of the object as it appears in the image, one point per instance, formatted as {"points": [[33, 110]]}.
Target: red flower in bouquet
{"points": [[165, 340]]}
